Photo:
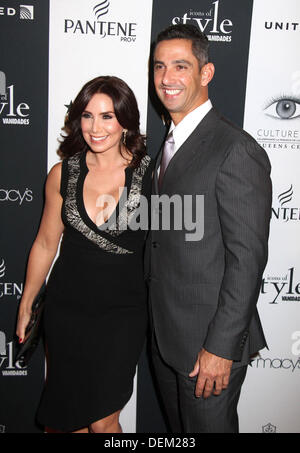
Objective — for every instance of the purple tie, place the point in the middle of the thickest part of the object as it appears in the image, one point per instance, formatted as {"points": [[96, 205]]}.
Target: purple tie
{"points": [[168, 153]]}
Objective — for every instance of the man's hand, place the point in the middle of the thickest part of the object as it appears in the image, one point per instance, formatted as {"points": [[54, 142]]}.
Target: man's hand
{"points": [[213, 374]]}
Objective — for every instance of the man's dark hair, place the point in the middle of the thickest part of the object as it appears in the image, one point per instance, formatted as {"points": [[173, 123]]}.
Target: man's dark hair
{"points": [[200, 43]]}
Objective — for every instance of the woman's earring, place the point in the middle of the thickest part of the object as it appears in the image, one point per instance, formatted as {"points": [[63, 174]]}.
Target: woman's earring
{"points": [[124, 136]]}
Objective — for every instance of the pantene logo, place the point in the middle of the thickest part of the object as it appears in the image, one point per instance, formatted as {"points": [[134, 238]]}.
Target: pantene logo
{"points": [[101, 9], [109, 28], [2, 268], [285, 209], [8, 289]]}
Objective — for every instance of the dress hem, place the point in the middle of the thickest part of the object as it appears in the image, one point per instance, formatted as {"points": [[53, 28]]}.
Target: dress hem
{"points": [[78, 426]]}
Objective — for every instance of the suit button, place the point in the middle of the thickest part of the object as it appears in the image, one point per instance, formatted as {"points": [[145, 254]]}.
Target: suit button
{"points": [[155, 245]]}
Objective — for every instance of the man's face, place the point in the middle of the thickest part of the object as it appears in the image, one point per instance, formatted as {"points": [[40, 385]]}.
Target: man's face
{"points": [[177, 78]]}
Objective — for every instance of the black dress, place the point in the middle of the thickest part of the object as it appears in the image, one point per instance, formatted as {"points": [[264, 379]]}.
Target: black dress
{"points": [[95, 313]]}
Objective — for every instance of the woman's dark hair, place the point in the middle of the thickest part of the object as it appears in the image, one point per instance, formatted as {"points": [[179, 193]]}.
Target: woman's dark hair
{"points": [[200, 43], [126, 111]]}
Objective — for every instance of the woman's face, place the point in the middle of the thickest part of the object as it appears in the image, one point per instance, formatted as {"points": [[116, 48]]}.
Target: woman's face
{"points": [[100, 127]]}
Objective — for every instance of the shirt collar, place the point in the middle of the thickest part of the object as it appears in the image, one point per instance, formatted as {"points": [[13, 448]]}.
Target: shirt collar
{"points": [[189, 123]]}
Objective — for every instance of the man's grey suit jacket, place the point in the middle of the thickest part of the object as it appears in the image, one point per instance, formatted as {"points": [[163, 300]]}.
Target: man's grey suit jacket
{"points": [[204, 293]]}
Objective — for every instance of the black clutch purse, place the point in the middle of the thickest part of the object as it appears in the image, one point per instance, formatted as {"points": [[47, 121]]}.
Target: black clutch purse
{"points": [[33, 330]]}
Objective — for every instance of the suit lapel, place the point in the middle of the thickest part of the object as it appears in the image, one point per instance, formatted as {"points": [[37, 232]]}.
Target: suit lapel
{"points": [[157, 164], [196, 143]]}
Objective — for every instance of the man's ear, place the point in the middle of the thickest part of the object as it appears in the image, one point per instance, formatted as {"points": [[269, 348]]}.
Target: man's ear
{"points": [[207, 73]]}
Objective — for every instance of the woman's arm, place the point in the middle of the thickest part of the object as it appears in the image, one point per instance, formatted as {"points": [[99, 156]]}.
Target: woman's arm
{"points": [[44, 248]]}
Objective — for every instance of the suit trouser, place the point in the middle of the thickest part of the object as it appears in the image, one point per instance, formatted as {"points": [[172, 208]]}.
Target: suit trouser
{"points": [[189, 414]]}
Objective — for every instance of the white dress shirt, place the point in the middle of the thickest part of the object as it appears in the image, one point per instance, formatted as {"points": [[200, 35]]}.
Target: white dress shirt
{"points": [[186, 126], [189, 123]]}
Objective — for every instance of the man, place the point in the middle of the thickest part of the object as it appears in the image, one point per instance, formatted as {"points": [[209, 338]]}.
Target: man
{"points": [[203, 293]]}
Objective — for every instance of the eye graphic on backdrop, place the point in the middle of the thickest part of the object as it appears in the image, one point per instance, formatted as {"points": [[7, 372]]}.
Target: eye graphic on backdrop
{"points": [[283, 108]]}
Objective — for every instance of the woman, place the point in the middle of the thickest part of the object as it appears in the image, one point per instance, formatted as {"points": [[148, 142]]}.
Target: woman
{"points": [[95, 312]]}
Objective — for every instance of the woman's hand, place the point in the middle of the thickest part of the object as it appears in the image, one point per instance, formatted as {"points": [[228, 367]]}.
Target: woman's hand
{"points": [[23, 321]]}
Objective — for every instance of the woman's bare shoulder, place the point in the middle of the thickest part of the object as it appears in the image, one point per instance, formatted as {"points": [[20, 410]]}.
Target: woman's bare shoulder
{"points": [[54, 176]]}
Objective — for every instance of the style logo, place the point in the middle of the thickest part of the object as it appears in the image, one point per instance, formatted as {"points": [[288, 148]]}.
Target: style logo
{"points": [[3, 94], [209, 22], [10, 111], [269, 429], [283, 212], [125, 31], [7, 365], [9, 288], [2, 343], [283, 288], [101, 9], [26, 12]]}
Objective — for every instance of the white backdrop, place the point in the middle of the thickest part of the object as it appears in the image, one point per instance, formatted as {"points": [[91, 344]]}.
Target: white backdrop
{"points": [[270, 398], [77, 57]]}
